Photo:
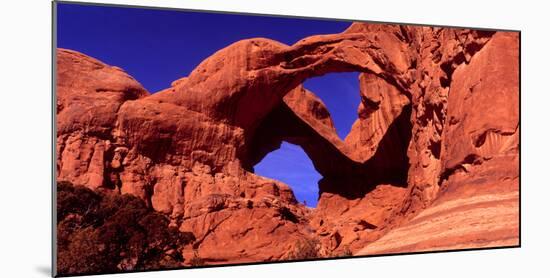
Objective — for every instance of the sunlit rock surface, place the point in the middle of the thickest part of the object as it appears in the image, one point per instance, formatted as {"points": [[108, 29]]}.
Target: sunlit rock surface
{"points": [[431, 162]]}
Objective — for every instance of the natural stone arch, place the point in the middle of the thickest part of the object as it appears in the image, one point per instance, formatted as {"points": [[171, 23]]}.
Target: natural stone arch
{"points": [[303, 120], [215, 111], [243, 82]]}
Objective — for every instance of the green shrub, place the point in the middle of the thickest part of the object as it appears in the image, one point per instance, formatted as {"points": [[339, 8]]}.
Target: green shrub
{"points": [[307, 248], [98, 233]]}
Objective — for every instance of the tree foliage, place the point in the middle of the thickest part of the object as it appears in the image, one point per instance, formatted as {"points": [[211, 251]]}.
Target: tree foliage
{"points": [[106, 232]]}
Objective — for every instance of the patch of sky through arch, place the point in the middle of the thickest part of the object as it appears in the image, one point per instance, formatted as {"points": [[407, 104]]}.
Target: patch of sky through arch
{"points": [[340, 93], [291, 165]]}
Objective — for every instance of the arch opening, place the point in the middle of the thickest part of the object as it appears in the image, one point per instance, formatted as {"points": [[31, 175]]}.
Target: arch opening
{"points": [[332, 99], [339, 91], [291, 165], [302, 123]]}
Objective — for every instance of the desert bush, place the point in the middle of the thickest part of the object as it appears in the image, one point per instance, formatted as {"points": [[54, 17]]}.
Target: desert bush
{"points": [[307, 248], [287, 214], [345, 252], [196, 260], [101, 233]]}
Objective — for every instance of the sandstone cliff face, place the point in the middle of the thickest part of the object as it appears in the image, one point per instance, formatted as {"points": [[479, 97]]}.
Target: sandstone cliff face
{"points": [[476, 202], [89, 95], [436, 142]]}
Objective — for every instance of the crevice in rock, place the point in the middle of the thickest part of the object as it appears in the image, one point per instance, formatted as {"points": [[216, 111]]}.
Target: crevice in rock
{"points": [[286, 214], [111, 178], [471, 159], [209, 231]]}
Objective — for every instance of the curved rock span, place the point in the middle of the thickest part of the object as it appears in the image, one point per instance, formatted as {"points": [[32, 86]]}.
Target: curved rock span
{"points": [[431, 163]]}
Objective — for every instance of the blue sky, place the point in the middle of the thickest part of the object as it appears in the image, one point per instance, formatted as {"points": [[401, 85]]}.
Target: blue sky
{"points": [[291, 165], [159, 46]]}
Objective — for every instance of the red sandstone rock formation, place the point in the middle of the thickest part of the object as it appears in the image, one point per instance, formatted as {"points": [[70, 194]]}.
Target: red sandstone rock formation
{"points": [[478, 200], [435, 145], [89, 95]]}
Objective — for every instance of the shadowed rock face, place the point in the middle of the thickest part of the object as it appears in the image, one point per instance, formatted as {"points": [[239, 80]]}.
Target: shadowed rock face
{"points": [[424, 140]]}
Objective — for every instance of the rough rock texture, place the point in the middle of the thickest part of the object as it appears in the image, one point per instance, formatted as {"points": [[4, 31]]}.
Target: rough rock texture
{"points": [[476, 209], [89, 95], [424, 151], [478, 201], [381, 104]]}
